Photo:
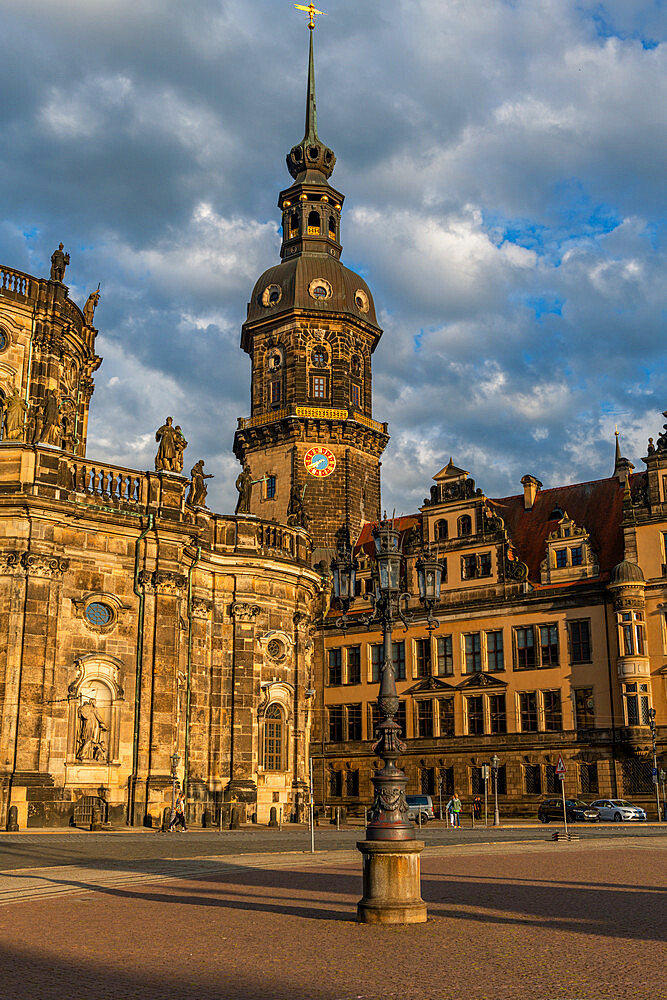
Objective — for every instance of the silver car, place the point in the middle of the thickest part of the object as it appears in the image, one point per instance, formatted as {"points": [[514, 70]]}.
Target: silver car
{"points": [[420, 805], [618, 810]]}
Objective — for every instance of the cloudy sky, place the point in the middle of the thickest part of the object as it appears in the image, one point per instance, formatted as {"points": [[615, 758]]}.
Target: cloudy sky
{"points": [[504, 164]]}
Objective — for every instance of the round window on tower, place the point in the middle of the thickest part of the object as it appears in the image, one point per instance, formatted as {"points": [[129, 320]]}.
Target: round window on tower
{"points": [[271, 295], [276, 649], [361, 300], [99, 615], [320, 289]]}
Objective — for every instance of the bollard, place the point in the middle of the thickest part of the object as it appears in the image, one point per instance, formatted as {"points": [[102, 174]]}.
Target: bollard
{"points": [[273, 816], [166, 819], [419, 818], [338, 817], [365, 816], [280, 817], [235, 820], [13, 819]]}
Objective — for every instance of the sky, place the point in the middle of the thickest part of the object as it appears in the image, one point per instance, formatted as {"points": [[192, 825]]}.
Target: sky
{"points": [[504, 168]]}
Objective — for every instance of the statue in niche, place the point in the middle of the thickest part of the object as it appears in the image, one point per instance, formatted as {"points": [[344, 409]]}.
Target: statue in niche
{"points": [[47, 419], [296, 513], [90, 306], [168, 450], [244, 487], [59, 262], [14, 411], [180, 444], [197, 493], [91, 726]]}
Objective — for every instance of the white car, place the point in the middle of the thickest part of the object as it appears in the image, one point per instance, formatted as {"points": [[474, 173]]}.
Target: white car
{"points": [[618, 810]]}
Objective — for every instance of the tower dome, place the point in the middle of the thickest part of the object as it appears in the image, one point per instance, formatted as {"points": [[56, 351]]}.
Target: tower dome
{"points": [[625, 573]]}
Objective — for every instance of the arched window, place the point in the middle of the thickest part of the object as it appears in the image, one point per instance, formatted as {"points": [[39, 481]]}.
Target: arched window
{"points": [[273, 739], [441, 531], [293, 225], [332, 227], [313, 223], [465, 525]]}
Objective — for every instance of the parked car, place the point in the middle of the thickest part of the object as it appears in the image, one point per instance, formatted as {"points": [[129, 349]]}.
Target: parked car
{"points": [[575, 809], [618, 810], [420, 804]]}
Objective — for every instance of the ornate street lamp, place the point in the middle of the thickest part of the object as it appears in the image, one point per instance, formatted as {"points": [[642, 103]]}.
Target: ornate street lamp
{"points": [[495, 763], [174, 760], [651, 722], [392, 892]]}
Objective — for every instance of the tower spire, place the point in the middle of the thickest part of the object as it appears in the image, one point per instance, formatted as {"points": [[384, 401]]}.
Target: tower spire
{"points": [[311, 154], [623, 467], [310, 134]]}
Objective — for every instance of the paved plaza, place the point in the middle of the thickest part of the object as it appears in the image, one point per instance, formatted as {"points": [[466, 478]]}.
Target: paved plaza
{"points": [[522, 919]]}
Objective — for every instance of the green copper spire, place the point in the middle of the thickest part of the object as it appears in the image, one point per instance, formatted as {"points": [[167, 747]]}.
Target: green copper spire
{"points": [[311, 154]]}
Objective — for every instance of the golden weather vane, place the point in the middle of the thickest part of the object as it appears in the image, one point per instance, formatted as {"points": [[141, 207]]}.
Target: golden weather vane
{"points": [[311, 11]]}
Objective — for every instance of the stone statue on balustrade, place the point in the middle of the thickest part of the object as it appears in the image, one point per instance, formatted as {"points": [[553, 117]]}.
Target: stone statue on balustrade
{"points": [[90, 306], [172, 444], [14, 410], [197, 493], [59, 262], [244, 487], [90, 745], [296, 512], [47, 420]]}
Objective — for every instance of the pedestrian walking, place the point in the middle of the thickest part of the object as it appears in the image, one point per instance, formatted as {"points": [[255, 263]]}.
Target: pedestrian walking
{"points": [[179, 814], [477, 807], [454, 810]]}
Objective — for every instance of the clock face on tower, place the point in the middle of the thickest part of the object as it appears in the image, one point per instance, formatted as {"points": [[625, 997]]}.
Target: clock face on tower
{"points": [[319, 461]]}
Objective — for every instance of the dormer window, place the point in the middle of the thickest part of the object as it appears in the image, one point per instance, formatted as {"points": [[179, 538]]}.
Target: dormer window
{"points": [[314, 225]]}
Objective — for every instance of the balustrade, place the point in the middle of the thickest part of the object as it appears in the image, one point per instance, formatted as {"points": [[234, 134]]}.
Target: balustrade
{"points": [[107, 483], [15, 282]]}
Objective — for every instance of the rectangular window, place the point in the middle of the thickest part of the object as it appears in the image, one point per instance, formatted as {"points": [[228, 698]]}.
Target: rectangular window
{"points": [[270, 487], [400, 718], [476, 781], [485, 564], [352, 784], [275, 392], [354, 664], [335, 667], [549, 645], [588, 775], [636, 704], [354, 722], [502, 779], [551, 779], [494, 649], [423, 655], [525, 648], [446, 780], [335, 784], [584, 708], [475, 707], [473, 646], [577, 554], [532, 779], [580, 641], [376, 661], [446, 710], [528, 711], [427, 780], [336, 722], [355, 396], [553, 713], [561, 558], [425, 718], [468, 567], [319, 386], [445, 655], [498, 713], [398, 656], [373, 719]]}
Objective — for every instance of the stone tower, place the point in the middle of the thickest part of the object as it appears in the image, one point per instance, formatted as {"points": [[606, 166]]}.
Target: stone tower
{"points": [[310, 443]]}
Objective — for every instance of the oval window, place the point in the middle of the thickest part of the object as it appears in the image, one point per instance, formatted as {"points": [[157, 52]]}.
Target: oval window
{"points": [[99, 614]]}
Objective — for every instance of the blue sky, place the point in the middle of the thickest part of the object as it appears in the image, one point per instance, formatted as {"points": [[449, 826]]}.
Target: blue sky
{"points": [[503, 163]]}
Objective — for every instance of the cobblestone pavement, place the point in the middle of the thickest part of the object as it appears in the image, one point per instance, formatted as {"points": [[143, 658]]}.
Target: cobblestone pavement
{"points": [[506, 922]]}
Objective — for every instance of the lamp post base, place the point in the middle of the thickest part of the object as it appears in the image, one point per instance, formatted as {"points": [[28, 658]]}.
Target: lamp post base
{"points": [[391, 882]]}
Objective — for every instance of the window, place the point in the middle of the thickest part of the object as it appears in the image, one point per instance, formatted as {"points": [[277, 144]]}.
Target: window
{"points": [[498, 713], [446, 780], [584, 708], [631, 624], [270, 487], [332, 227], [398, 656], [637, 776], [494, 650], [376, 661], [445, 655], [399, 718], [485, 564], [355, 395], [465, 525], [441, 531], [319, 357], [580, 641], [335, 784], [275, 396], [475, 712], [528, 711], [446, 712], [476, 781], [99, 614], [473, 652], [636, 704], [549, 645], [502, 779], [561, 558], [373, 719], [352, 784], [427, 780], [551, 779], [577, 554], [336, 722], [588, 776], [354, 722], [423, 657], [468, 567], [293, 225], [273, 739], [354, 664], [532, 779], [319, 386], [553, 713], [313, 224], [525, 648], [425, 718], [335, 667]]}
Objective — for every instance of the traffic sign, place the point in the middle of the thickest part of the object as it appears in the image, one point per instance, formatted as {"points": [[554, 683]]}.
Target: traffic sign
{"points": [[560, 767]]}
